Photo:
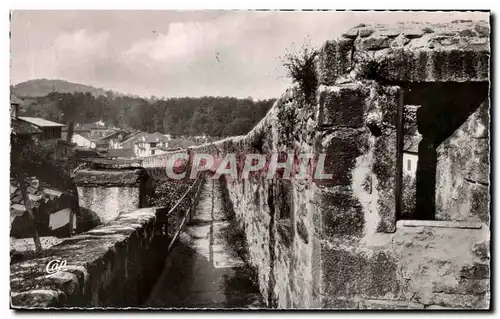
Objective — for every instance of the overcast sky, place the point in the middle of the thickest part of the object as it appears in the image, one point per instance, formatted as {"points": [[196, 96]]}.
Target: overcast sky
{"points": [[172, 53]]}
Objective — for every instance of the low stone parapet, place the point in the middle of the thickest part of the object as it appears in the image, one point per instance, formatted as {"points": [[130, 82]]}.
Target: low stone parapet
{"points": [[113, 265]]}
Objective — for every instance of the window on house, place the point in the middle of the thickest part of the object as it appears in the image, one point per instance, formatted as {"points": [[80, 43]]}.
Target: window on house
{"points": [[408, 166], [153, 145], [152, 152]]}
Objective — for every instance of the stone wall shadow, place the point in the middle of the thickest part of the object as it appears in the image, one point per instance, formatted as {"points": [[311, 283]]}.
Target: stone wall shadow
{"points": [[87, 220], [444, 108]]}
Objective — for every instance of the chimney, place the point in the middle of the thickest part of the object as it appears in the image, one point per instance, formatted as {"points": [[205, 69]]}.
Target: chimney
{"points": [[14, 110], [71, 130]]}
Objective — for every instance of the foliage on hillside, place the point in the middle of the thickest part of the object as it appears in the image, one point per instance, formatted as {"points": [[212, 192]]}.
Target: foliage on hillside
{"points": [[214, 116]]}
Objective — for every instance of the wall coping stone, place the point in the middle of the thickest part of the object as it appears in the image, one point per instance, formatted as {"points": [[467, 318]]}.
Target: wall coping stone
{"points": [[121, 177], [439, 224], [458, 51]]}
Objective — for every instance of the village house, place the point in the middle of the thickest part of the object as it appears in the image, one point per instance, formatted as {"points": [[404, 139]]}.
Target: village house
{"points": [[410, 156], [113, 140], [83, 140], [24, 131], [33, 128], [94, 130], [129, 142], [151, 144], [98, 135], [51, 131], [146, 144]]}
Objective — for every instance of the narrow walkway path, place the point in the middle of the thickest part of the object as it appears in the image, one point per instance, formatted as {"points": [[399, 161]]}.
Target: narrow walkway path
{"points": [[203, 270]]}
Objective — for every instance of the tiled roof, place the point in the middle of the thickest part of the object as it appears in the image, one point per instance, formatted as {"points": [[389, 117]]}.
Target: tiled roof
{"points": [[134, 137], [411, 144], [88, 126], [113, 134], [86, 136], [151, 138], [40, 122]]}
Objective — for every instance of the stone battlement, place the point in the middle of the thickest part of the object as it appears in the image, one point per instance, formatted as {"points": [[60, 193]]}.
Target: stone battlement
{"points": [[409, 52]]}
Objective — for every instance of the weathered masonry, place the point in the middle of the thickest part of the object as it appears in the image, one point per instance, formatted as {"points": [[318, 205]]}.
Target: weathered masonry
{"points": [[113, 265], [106, 190], [341, 243], [344, 243]]}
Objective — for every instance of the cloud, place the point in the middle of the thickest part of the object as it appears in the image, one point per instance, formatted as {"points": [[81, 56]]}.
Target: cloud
{"points": [[234, 53], [81, 44], [69, 55], [182, 40]]}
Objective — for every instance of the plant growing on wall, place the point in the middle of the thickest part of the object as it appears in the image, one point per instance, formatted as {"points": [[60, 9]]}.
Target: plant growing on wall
{"points": [[286, 121], [371, 67], [301, 69]]}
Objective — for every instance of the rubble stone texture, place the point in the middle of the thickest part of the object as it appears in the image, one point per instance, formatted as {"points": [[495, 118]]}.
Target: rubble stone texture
{"points": [[356, 255], [463, 171], [337, 243], [410, 51], [104, 193], [106, 267]]}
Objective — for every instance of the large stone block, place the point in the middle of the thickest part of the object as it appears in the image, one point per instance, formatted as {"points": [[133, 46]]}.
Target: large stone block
{"points": [[440, 266], [342, 213], [349, 273], [443, 65], [414, 52], [384, 169], [341, 149], [458, 301], [462, 287], [482, 250], [462, 172], [389, 305], [104, 193], [343, 106], [335, 60], [475, 271], [334, 303]]}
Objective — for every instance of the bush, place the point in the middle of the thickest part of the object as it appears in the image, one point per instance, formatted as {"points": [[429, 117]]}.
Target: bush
{"points": [[301, 69]]}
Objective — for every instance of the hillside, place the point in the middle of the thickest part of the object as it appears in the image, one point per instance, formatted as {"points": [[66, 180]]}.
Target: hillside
{"points": [[42, 87]]}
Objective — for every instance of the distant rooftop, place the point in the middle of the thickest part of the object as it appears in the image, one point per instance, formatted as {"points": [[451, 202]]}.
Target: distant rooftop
{"points": [[153, 138], [40, 122], [411, 145], [88, 126]]}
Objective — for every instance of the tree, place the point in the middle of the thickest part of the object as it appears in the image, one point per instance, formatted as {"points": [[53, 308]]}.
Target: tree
{"points": [[17, 153], [176, 116]]}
